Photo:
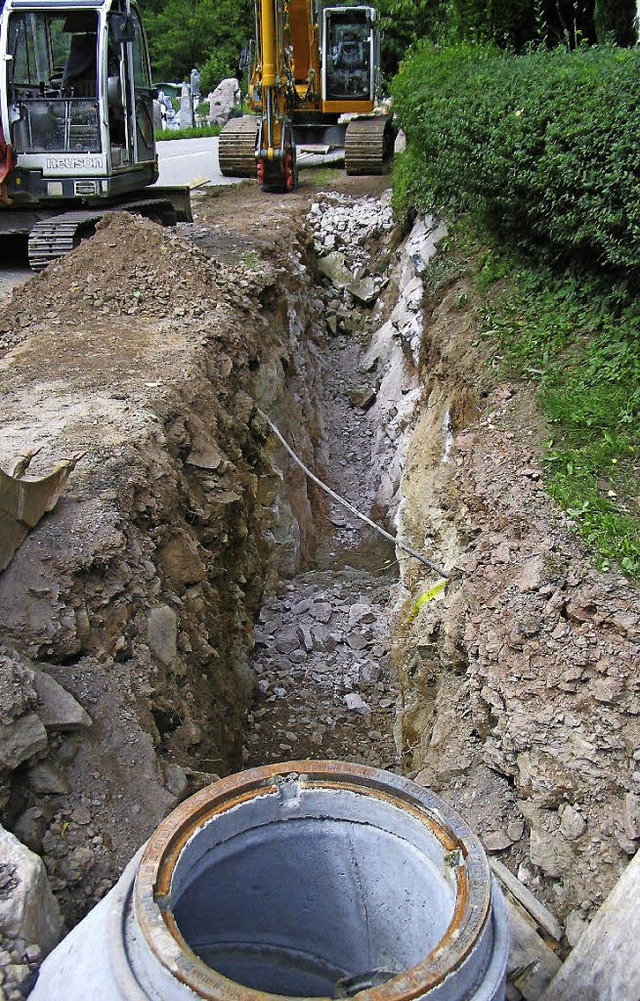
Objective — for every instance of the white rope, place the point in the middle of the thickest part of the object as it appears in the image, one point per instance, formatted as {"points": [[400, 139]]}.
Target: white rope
{"points": [[347, 505]]}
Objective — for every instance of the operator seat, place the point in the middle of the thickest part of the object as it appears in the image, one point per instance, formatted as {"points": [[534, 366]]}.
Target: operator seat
{"points": [[79, 75], [350, 55]]}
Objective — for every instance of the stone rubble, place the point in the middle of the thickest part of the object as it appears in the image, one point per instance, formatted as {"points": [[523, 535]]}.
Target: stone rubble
{"points": [[326, 688]]}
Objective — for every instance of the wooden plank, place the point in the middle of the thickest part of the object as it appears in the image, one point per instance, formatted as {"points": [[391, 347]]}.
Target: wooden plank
{"points": [[541, 914], [532, 964], [605, 964]]}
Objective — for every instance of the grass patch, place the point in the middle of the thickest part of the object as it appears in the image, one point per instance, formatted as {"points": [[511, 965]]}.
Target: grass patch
{"points": [[577, 338], [203, 132]]}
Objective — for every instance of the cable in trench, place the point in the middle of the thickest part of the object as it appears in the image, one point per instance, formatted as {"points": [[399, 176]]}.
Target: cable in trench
{"points": [[347, 505]]}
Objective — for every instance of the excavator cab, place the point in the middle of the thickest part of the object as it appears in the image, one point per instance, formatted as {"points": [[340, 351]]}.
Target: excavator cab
{"points": [[350, 54], [76, 99]]}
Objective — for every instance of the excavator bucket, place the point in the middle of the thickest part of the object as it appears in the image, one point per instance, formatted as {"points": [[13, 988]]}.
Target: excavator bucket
{"points": [[23, 502]]}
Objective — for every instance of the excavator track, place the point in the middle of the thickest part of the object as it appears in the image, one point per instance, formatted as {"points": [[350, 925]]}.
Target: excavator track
{"points": [[369, 146], [53, 238], [237, 147]]}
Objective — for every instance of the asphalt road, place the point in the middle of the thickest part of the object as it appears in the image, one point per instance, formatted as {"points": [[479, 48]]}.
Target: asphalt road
{"points": [[14, 269], [186, 160], [181, 161]]}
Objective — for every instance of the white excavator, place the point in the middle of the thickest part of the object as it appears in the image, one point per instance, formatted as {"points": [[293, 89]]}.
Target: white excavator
{"points": [[76, 123]]}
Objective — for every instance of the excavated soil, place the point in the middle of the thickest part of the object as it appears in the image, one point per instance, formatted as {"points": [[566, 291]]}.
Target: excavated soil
{"points": [[211, 608]]}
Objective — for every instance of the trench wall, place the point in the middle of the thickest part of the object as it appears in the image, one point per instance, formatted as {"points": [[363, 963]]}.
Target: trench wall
{"points": [[138, 594], [520, 694]]}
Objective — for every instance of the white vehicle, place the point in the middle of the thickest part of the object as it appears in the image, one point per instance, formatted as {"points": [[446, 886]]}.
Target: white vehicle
{"points": [[76, 117]]}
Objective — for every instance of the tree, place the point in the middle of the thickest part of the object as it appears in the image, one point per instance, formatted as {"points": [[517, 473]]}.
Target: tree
{"points": [[207, 34], [615, 21]]}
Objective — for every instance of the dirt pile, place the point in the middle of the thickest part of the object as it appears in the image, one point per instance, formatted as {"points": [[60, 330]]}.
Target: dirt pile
{"points": [[130, 268]]}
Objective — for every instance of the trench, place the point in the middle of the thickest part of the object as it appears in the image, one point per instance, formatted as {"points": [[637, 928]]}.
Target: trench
{"points": [[326, 683], [207, 605]]}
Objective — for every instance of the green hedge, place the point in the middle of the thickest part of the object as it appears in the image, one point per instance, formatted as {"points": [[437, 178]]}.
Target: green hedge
{"points": [[544, 148]]}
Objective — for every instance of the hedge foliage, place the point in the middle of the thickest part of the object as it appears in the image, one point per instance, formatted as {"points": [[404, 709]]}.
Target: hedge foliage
{"points": [[544, 147]]}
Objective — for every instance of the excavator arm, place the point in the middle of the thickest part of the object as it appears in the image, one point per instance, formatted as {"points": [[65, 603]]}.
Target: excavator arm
{"points": [[275, 147]]}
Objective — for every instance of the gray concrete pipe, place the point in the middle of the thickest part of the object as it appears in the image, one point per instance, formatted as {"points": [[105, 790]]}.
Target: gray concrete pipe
{"points": [[302, 879]]}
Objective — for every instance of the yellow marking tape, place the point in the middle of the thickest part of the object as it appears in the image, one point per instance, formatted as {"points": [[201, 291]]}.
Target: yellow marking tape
{"points": [[427, 596]]}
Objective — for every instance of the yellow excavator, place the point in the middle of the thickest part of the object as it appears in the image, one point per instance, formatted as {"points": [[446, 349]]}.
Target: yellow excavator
{"points": [[314, 83]]}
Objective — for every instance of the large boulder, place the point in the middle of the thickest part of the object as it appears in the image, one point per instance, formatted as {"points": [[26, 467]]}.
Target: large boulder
{"points": [[224, 100], [29, 912]]}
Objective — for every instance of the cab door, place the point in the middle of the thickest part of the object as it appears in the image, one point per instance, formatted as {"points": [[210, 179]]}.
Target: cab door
{"points": [[144, 150]]}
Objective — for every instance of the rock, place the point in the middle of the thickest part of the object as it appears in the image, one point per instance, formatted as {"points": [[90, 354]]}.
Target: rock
{"points": [[31, 825], [631, 815], [47, 779], [362, 397], [28, 909], [515, 830], [530, 576], [75, 866], [287, 640], [335, 269], [17, 688], [321, 639], [33, 953], [20, 740], [321, 611], [181, 563], [208, 456], [280, 693], [369, 672], [572, 823], [175, 779], [357, 641], [356, 703], [498, 841], [224, 100], [365, 291], [361, 613], [162, 634], [332, 324], [607, 690], [579, 611], [306, 638], [81, 815], [57, 709], [574, 927], [550, 852]]}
